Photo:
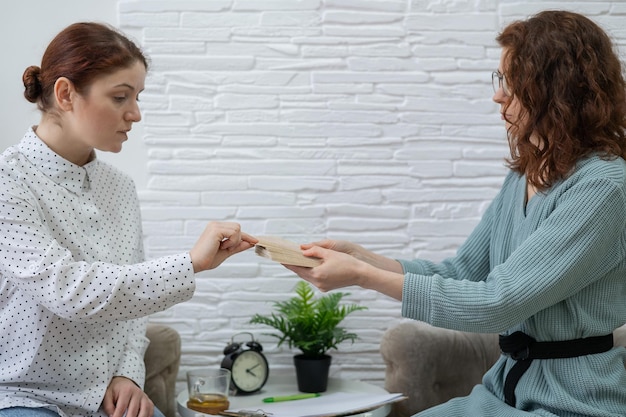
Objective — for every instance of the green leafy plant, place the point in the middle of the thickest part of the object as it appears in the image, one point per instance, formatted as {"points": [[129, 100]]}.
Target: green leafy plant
{"points": [[308, 323]]}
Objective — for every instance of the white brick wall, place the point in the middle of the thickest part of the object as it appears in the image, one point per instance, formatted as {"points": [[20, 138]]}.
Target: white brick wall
{"points": [[368, 120]]}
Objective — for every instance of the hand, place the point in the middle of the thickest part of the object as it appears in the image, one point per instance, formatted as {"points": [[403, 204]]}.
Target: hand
{"points": [[124, 397], [337, 245], [345, 263], [359, 252], [218, 241], [338, 269]]}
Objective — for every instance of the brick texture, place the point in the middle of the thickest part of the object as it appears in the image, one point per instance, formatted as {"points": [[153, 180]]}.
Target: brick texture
{"points": [[363, 120]]}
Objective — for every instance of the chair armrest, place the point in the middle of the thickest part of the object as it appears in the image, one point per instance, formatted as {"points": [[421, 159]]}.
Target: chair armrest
{"points": [[432, 365], [162, 360]]}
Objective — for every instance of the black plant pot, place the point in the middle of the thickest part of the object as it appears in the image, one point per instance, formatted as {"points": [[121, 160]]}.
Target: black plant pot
{"points": [[312, 373]]}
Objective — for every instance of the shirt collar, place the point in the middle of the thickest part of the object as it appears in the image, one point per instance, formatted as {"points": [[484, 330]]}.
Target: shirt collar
{"points": [[63, 172]]}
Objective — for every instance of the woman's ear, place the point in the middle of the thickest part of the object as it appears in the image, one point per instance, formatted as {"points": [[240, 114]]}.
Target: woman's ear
{"points": [[64, 93]]}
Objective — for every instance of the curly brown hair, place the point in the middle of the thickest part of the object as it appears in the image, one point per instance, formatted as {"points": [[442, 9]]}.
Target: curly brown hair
{"points": [[568, 79]]}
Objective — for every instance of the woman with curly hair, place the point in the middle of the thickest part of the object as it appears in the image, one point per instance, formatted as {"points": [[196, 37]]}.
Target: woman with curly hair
{"points": [[546, 265]]}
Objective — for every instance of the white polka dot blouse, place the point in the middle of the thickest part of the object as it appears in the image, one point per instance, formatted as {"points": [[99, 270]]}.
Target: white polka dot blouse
{"points": [[74, 287]]}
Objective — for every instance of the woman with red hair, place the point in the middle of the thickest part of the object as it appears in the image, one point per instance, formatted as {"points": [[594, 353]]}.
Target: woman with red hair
{"points": [[74, 286], [546, 265]]}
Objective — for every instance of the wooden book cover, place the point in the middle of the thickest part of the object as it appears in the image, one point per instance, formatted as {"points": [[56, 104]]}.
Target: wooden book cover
{"points": [[283, 251]]}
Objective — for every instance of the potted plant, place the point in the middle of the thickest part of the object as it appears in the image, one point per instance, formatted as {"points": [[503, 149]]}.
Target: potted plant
{"points": [[312, 325]]}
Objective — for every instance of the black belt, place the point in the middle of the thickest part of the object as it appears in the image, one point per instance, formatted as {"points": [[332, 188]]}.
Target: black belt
{"points": [[523, 348]]}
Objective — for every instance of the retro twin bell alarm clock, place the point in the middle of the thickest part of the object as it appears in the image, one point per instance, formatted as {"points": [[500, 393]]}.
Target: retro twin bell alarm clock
{"points": [[248, 366]]}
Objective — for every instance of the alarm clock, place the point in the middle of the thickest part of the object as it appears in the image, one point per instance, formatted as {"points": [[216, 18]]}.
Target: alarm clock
{"points": [[247, 365]]}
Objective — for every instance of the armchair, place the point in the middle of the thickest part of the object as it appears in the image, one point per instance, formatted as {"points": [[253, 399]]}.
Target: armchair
{"points": [[162, 359], [432, 365]]}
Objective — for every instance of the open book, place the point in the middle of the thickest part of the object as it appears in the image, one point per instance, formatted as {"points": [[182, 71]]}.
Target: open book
{"points": [[283, 251]]}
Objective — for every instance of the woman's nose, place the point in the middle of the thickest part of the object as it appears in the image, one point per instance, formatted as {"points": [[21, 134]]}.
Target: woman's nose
{"points": [[134, 114], [499, 96]]}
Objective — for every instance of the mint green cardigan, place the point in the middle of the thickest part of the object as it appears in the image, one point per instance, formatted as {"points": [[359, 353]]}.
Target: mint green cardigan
{"points": [[554, 268]]}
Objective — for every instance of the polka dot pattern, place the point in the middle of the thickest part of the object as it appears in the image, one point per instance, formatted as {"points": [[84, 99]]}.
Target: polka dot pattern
{"points": [[74, 286]]}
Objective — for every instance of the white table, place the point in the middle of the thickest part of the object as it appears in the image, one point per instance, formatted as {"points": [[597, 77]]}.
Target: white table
{"points": [[287, 385]]}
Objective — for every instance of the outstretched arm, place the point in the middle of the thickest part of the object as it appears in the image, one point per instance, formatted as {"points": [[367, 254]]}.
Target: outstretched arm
{"points": [[344, 264]]}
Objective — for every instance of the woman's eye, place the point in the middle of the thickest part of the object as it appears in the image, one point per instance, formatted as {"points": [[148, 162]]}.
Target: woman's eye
{"points": [[119, 99]]}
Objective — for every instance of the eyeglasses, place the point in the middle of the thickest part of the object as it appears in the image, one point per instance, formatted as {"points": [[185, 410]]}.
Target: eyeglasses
{"points": [[499, 81]]}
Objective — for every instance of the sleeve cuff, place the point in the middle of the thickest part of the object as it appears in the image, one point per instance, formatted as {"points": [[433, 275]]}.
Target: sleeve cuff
{"points": [[416, 297]]}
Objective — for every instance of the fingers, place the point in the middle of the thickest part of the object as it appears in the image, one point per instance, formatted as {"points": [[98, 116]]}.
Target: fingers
{"points": [[127, 401], [303, 272], [244, 241], [326, 243], [227, 233], [249, 238], [337, 269], [126, 407], [108, 406], [146, 408], [218, 241], [315, 251], [138, 406], [313, 276]]}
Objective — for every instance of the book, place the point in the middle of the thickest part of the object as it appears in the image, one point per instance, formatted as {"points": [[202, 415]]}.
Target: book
{"points": [[283, 251], [337, 404]]}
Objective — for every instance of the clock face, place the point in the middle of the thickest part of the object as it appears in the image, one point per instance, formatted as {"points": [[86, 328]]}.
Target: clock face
{"points": [[249, 371]]}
